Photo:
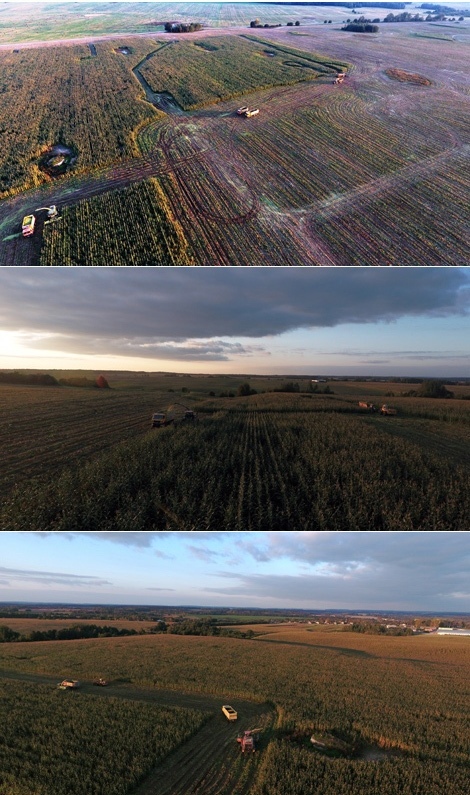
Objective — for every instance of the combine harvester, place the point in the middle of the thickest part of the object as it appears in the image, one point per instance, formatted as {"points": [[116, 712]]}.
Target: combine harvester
{"points": [[248, 740], [69, 684]]}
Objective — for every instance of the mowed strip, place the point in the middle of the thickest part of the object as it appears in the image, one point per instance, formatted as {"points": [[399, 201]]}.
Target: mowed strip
{"points": [[451, 443]]}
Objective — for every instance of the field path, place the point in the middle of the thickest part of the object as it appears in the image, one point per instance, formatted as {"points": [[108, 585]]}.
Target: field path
{"points": [[210, 763]]}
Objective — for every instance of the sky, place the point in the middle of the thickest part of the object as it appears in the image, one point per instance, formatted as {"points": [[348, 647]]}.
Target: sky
{"points": [[308, 570], [363, 321]]}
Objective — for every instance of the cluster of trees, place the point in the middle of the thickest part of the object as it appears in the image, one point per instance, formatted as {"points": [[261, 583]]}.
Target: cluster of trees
{"points": [[374, 628], [255, 23], [431, 389], [361, 26], [245, 390], [182, 27], [28, 379], [100, 382], [203, 626], [439, 9], [405, 16]]}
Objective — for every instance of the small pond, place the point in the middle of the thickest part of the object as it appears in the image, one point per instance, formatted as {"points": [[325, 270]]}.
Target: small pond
{"points": [[57, 160]]}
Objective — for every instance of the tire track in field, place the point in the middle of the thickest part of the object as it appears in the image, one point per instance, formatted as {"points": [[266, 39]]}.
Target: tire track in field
{"points": [[210, 762], [399, 180]]}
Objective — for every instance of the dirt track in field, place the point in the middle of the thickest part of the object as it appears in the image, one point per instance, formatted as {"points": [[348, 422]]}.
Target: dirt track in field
{"points": [[210, 763]]}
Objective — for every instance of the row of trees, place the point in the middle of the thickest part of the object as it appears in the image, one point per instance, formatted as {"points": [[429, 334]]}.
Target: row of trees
{"points": [[77, 632], [28, 379], [44, 379]]}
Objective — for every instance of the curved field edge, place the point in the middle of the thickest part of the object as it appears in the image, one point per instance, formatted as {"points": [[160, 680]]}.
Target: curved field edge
{"points": [[63, 95], [379, 205]]}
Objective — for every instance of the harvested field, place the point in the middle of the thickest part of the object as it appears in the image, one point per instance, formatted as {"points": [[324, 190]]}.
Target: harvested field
{"points": [[349, 174]]}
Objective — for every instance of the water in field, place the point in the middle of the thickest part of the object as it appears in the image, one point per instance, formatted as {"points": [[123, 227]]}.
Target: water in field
{"points": [[373, 753], [57, 159]]}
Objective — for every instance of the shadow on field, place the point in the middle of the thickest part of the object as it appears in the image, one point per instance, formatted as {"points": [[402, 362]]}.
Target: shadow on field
{"points": [[338, 649]]}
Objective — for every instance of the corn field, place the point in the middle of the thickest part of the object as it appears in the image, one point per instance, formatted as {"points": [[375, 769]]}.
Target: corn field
{"points": [[255, 470]]}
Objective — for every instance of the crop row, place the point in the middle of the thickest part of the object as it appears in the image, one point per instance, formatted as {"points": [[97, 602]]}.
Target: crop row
{"points": [[197, 76], [131, 226], [376, 233]]}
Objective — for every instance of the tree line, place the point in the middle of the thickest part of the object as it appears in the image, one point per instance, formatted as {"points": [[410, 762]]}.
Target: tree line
{"points": [[44, 379], [77, 632]]}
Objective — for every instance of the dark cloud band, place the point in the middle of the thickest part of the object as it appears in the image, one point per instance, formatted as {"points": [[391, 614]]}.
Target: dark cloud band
{"points": [[139, 311]]}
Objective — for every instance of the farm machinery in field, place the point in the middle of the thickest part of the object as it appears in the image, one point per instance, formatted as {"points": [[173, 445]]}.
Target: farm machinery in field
{"points": [[29, 221], [367, 406], [69, 684], [246, 112], [387, 411], [173, 415], [248, 740]]}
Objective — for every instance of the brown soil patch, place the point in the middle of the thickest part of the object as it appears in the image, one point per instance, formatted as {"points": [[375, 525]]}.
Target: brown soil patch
{"points": [[408, 77]]}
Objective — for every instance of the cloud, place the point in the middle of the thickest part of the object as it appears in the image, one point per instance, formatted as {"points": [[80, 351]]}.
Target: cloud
{"points": [[420, 570], [136, 539], [183, 313], [202, 553], [159, 589], [190, 350], [52, 578]]}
